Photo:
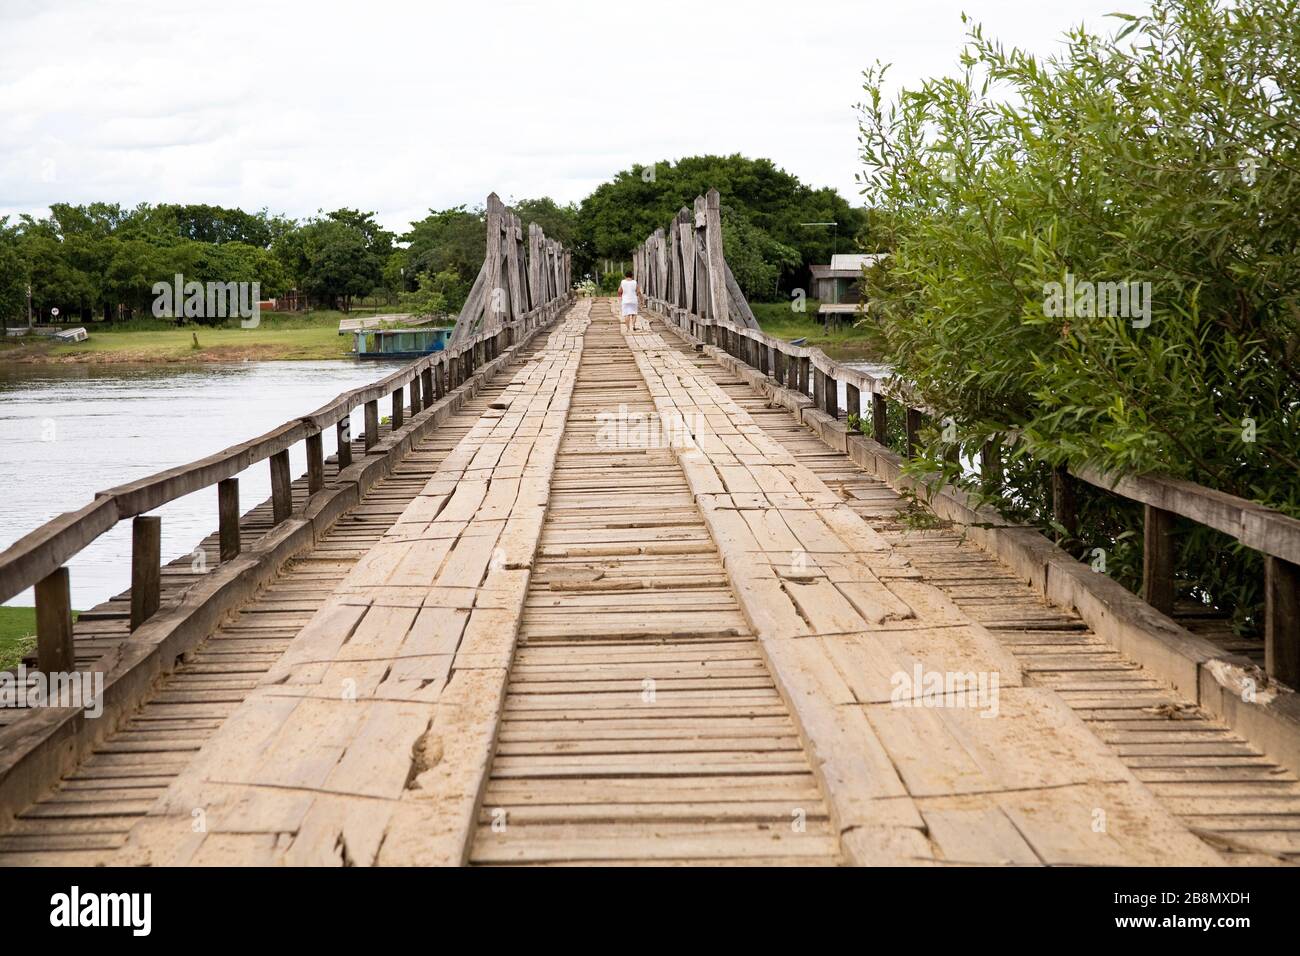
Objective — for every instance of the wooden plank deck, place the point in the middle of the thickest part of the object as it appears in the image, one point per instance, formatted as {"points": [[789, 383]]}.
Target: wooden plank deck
{"points": [[640, 723]]}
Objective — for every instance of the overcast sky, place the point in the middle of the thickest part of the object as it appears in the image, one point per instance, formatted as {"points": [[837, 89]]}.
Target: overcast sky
{"points": [[401, 106]]}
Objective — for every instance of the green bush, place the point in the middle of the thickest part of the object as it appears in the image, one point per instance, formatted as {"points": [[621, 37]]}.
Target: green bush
{"points": [[1164, 155]]}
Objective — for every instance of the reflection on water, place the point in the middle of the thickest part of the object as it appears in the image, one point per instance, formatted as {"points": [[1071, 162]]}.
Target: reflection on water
{"points": [[68, 431]]}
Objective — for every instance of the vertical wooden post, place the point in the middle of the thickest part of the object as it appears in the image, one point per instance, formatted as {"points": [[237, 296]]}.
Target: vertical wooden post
{"points": [[315, 463], [371, 436], [343, 432], [1282, 620], [852, 400], [415, 389], [779, 366], [805, 364], [54, 650], [228, 519], [832, 396], [879, 418], [991, 462], [146, 568], [427, 387], [913, 426], [399, 414], [281, 490], [1158, 559], [1065, 506]]}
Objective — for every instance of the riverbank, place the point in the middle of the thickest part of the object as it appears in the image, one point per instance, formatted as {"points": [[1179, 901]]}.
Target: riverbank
{"points": [[845, 344], [305, 336]]}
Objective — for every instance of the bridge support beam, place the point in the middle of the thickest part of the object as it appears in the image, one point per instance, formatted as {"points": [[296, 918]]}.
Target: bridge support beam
{"points": [[398, 416], [1282, 620], [315, 463], [146, 568], [879, 418], [1158, 559], [54, 651], [343, 431], [228, 519], [1065, 507], [371, 436], [281, 487]]}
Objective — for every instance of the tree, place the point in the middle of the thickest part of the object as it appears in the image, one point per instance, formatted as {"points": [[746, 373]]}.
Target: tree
{"points": [[619, 214], [339, 262], [1168, 161], [450, 239], [13, 277]]}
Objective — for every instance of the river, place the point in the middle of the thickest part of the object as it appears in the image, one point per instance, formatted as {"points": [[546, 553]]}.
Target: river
{"points": [[68, 431]]}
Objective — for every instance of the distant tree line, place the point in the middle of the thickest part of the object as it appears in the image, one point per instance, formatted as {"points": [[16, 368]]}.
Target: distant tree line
{"points": [[100, 261]]}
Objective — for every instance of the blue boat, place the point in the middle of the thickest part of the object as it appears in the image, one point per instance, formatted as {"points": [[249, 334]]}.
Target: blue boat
{"points": [[400, 343]]}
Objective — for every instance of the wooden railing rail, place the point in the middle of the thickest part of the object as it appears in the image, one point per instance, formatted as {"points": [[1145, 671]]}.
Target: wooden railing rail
{"points": [[39, 558], [1275, 535]]}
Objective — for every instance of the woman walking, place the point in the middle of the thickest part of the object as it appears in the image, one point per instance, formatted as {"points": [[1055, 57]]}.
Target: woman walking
{"points": [[630, 296]]}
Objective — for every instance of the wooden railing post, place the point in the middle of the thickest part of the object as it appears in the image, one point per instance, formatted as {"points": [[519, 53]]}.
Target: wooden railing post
{"points": [[779, 366], [805, 364], [1065, 506], [1282, 620], [343, 432], [399, 414], [991, 462], [852, 400], [54, 650], [371, 436], [146, 568], [429, 396], [415, 388], [832, 396], [913, 426], [315, 463], [1158, 559], [281, 487], [228, 519], [879, 418]]}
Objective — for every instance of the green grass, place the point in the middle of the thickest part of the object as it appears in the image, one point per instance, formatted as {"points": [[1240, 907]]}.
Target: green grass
{"points": [[309, 335], [778, 319], [17, 635]]}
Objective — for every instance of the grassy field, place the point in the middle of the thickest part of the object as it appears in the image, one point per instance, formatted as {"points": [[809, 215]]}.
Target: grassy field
{"points": [[310, 335], [777, 318], [17, 634]]}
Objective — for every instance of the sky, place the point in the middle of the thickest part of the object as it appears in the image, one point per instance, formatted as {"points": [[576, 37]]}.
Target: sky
{"points": [[401, 107]]}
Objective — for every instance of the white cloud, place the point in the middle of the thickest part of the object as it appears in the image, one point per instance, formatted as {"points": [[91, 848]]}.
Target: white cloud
{"points": [[403, 106]]}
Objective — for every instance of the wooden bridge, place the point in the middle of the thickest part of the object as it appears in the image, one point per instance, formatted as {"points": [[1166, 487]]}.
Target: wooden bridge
{"points": [[598, 596]]}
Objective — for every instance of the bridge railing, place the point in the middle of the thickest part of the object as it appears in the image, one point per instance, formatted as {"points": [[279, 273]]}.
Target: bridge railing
{"points": [[521, 271], [39, 559], [1273, 534], [687, 267]]}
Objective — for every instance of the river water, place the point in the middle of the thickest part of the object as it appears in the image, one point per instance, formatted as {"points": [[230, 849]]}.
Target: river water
{"points": [[68, 431]]}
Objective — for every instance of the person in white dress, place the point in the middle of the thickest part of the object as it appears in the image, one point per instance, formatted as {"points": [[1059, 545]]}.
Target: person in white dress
{"points": [[630, 296]]}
